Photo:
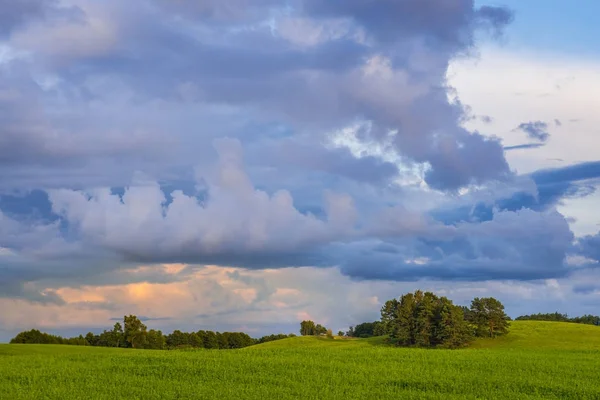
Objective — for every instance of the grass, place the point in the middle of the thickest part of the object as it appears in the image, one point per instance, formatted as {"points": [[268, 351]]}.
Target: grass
{"points": [[536, 360]]}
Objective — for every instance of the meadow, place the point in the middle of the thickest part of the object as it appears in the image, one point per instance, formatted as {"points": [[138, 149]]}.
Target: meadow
{"points": [[535, 360]]}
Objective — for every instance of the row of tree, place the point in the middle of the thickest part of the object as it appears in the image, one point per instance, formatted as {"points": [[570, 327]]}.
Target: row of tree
{"points": [[422, 319], [134, 334], [556, 316]]}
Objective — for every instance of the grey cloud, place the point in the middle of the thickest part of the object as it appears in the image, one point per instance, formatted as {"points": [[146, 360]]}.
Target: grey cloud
{"points": [[589, 246], [586, 288], [496, 249], [445, 22], [335, 161], [524, 146], [15, 13], [535, 130], [319, 88]]}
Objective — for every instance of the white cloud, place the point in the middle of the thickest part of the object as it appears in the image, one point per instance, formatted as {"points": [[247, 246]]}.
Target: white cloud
{"points": [[515, 87]]}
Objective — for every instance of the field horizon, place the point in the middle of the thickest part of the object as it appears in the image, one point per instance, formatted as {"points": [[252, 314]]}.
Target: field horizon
{"points": [[535, 360]]}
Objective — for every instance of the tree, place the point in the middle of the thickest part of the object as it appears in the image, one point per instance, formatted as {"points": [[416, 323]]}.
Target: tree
{"points": [[488, 317], [135, 331], [340, 333], [389, 316], [210, 340], [155, 340], [308, 328], [423, 319], [320, 330], [366, 329], [117, 335], [329, 334], [91, 339]]}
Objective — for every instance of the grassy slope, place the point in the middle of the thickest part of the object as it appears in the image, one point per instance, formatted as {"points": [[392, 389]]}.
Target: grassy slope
{"points": [[546, 335], [537, 360], [524, 335]]}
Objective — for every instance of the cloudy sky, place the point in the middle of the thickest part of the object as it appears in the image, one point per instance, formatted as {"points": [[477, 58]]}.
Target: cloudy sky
{"points": [[246, 164]]}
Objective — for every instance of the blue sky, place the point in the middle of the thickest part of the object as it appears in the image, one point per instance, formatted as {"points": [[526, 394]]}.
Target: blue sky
{"points": [[220, 165], [554, 26]]}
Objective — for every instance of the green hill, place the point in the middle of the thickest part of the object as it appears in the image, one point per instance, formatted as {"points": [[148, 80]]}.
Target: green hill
{"points": [[545, 335], [546, 360], [523, 335]]}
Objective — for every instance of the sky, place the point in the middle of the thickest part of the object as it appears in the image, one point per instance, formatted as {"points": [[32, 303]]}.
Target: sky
{"points": [[245, 165]]}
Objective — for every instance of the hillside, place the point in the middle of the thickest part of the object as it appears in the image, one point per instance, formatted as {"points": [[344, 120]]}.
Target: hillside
{"points": [[548, 360], [545, 335], [523, 335]]}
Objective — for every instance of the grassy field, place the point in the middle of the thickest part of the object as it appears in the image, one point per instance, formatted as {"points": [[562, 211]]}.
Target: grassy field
{"points": [[536, 360]]}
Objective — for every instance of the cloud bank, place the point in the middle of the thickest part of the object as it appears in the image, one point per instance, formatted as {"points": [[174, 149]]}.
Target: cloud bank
{"points": [[259, 137]]}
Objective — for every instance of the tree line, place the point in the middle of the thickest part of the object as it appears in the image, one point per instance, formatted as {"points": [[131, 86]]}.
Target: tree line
{"points": [[135, 334], [556, 316]]}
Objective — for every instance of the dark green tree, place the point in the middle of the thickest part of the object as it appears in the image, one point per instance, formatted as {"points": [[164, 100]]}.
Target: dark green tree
{"points": [[423, 319], [210, 340], [488, 317], [320, 330], [134, 331], [155, 340], [389, 316], [117, 336], [308, 328]]}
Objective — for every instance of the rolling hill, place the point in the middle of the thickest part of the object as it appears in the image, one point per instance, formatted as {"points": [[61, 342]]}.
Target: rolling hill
{"points": [[548, 360]]}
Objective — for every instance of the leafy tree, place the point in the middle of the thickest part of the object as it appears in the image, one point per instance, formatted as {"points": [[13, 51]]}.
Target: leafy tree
{"points": [[92, 339], [488, 317], [210, 340], [155, 340], [118, 336], [423, 319], [329, 334], [223, 340], [366, 329], [340, 333], [320, 330], [135, 331], [379, 330], [308, 328], [389, 316]]}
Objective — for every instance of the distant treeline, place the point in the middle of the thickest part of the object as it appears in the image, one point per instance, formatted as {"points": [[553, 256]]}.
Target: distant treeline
{"points": [[134, 334], [586, 319]]}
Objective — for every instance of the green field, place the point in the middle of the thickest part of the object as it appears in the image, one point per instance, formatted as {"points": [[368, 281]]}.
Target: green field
{"points": [[536, 360]]}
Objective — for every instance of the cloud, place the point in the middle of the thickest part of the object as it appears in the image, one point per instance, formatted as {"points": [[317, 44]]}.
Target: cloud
{"points": [[349, 158], [589, 247], [380, 65], [535, 130], [17, 13], [524, 146], [493, 249]]}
